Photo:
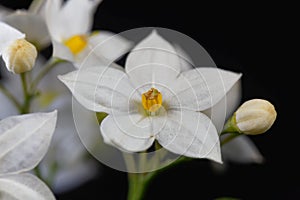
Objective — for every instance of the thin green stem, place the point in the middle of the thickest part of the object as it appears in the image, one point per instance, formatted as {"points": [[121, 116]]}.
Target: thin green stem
{"points": [[11, 97], [27, 96], [51, 64], [24, 84], [229, 138]]}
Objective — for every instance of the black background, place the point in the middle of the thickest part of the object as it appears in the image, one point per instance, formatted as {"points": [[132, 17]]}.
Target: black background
{"points": [[250, 38]]}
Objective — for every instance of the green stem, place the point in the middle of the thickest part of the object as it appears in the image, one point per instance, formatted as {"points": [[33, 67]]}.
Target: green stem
{"points": [[11, 97], [48, 67], [27, 96], [138, 183], [24, 84], [230, 126], [229, 138]]}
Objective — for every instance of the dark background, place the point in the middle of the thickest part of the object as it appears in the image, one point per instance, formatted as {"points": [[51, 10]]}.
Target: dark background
{"points": [[249, 38]]}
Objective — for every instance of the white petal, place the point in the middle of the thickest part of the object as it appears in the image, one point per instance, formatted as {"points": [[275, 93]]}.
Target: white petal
{"points": [[32, 25], [24, 186], [53, 19], [113, 135], [221, 111], [77, 16], [111, 46], [133, 124], [191, 134], [61, 51], [101, 89], [8, 34], [153, 60], [201, 88], [186, 62], [242, 150], [25, 140]]}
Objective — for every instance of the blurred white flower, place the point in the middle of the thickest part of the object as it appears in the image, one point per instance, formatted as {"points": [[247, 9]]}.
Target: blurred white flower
{"points": [[24, 141], [66, 153], [153, 100], [31, 22], [70, 26], [18, 54]]}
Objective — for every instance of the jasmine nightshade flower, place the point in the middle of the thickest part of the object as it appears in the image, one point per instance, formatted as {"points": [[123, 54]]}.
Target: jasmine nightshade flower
{"points": [[70, 25], [18, 54], [24, 140], [31, 22], [153, 100]]}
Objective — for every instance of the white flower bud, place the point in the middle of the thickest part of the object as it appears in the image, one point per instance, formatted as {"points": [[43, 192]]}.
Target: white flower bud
{"points": [[255, 117], [19, 56]]}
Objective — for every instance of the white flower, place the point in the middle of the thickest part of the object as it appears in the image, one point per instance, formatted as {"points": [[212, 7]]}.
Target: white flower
{"points": [[31, 22], [154, 100], [70, 29], [66, 152], [24, 140], [18, 54]]}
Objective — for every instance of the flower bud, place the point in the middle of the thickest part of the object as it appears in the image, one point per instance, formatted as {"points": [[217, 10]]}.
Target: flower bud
{"points": [[19, 56], [255, 116]]}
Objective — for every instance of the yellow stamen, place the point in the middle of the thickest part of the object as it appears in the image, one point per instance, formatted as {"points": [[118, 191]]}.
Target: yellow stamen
{"points": [[76, 43], [152, 100]]}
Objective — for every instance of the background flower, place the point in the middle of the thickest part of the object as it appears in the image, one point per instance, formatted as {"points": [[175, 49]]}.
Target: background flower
{"points": [[71, 35]]}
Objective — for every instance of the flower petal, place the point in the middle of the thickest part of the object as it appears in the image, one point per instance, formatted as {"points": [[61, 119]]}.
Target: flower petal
{"points": [[61, 51], [242, 150], [191, 134], [111, 46], [73, 18], [25, 140], [53, 20], [32, 25], [113, 135], [186, 62], [24, 186], [8, 34], [221, 111], [153, 60], [201, 88], [101, 89]]}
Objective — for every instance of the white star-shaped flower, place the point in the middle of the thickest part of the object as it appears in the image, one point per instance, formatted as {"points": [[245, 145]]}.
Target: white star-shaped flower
{"points": [[154, 100], [31, 22], [70, 25]]}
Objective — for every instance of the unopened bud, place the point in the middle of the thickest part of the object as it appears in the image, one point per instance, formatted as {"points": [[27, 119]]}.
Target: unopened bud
{"points": [[19, 56], [253, 117]]}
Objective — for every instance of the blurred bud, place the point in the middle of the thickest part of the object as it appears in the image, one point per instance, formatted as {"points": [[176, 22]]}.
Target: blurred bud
{"points": [[19, 56], [253, 117]]}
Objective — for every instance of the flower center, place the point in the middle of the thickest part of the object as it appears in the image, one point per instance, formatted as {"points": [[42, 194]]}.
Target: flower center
{"points": [[152, 100], [76, 43]]}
